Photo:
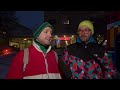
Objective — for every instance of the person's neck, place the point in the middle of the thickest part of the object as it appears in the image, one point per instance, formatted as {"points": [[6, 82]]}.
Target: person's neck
{"points": [[42, 47]]}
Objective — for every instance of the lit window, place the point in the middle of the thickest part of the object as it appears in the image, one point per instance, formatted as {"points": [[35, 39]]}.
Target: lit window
{"points": [[4, 32], [25, 39], [67, 22]]}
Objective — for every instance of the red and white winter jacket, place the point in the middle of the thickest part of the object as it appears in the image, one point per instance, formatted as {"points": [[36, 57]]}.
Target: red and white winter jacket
{"points": [[40, 65]]}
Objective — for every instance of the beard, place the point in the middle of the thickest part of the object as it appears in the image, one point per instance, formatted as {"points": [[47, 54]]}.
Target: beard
{"points": [[84, 38]]}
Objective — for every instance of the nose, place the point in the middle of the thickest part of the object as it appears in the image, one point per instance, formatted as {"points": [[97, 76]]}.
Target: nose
{"points": [[82, 32], [50, 35]]}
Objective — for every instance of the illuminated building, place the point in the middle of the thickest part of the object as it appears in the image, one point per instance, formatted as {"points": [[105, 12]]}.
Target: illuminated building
{"points": [[20, 37]]}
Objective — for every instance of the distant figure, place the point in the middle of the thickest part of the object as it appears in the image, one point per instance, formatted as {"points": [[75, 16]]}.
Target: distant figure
{"points": [[37, 61], [87, 59]]}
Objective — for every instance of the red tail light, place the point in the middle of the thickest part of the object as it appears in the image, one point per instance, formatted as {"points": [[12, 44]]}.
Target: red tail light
{"points": [[6, 51]]}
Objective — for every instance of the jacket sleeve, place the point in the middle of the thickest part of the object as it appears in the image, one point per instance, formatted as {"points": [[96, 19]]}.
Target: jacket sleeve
{"points": [[64, 65], [65, 57], [16, 68], [109, 68]]}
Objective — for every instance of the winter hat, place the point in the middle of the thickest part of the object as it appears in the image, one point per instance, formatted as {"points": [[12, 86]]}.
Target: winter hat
{"points": [[37, 33], [41, 28], [88, 24]]}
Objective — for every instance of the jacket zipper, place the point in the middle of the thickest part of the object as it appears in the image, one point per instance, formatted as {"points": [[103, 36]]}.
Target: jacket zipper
{"points": [[44, 54]]}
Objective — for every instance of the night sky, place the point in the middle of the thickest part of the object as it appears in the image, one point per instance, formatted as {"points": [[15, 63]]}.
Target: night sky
{"points": [[30, 19]]}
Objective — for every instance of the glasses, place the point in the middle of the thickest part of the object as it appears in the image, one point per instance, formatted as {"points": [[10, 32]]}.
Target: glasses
{"points": [[85, 30]]}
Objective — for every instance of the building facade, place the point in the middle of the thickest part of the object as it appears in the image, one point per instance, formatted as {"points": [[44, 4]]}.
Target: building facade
{"points": [[113, 28]]}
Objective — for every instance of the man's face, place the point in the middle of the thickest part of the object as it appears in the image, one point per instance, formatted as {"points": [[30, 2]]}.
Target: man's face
{"points": [[84, 33], [45, 36]]}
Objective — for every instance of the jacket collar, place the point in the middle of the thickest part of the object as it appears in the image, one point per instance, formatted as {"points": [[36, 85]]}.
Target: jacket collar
{"points": [[39, 49], [78, 40]]}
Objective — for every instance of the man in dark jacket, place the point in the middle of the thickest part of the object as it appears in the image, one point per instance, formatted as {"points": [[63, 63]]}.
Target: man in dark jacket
{"points": [[87, 59]]}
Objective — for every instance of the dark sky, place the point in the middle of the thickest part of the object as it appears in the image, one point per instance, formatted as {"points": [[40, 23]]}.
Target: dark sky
{"points": [[30, 19]]}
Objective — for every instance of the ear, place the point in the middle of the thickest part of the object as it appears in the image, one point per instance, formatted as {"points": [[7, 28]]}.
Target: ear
{"points": [[77, 33], [91, 34], [36, 39]]}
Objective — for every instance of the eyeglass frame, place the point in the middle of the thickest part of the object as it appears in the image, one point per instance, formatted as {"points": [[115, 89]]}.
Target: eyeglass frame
{"points": [[87, 30]]}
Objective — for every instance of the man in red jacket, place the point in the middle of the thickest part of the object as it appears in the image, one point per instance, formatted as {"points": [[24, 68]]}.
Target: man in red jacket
{"points": [[42, 61]]}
